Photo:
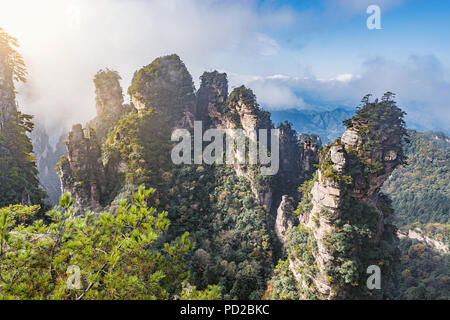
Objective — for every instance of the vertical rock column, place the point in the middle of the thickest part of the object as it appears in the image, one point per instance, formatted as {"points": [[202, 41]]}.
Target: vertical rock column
{"points": [[81, 172]]}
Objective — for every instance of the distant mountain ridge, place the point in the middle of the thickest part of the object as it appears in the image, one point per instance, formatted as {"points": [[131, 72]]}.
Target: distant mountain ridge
{"points": [[327, 124]]}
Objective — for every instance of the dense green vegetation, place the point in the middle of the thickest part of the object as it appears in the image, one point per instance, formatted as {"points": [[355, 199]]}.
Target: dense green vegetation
{"points": [[424, 273], [18, 174], [382, 128], [141, 141], [218, 209], [118, 256], [233, 241], [420, 191], [13, 59]]}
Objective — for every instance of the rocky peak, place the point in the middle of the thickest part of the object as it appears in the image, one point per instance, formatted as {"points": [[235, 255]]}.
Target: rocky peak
{"points": [[343, 202], [108, 92], [243, 110], [211, 98], [309, 154], [166, 87]]}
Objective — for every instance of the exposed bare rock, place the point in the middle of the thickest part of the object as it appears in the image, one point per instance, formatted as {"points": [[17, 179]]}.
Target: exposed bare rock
{"points": [[284, 220], [82, 172], [309, 154], [351, 137], [137, 102], [417, 234], [211, 98], [239, 110], [337, 156]]}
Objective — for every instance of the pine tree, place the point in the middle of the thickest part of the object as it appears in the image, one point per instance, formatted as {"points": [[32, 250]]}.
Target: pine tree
{"points": [[18, 172]]}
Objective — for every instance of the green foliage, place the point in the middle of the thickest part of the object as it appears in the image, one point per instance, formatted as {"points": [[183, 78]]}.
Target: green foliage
{"points": [[374, 167], [424, 273], [329, 172], [165, 85], [229, 228], [305, 205], [15, 63], [119, 256], [420, 191], [381, 127], [18, 173], [141, 141], [245, 96], [217, 208], [302, 249], [283, 285]]}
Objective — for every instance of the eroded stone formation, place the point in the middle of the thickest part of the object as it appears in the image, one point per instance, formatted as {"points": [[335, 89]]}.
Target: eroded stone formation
{"points": [[108, 92], [82, 172], [211, 98], [165, 87], [309, 154], [343, 214]]}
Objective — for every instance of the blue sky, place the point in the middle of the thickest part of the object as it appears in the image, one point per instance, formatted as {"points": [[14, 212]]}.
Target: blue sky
{"points": [[332, 37], [294, 54]]}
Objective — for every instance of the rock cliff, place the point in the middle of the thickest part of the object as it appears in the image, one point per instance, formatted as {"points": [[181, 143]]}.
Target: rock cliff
{"points": [[81, 171], [343, 214]]}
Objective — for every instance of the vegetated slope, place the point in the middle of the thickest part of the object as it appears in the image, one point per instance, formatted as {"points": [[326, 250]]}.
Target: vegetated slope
{"points": [[420, 191], [424, 272], [225, 208], [420, 197]]}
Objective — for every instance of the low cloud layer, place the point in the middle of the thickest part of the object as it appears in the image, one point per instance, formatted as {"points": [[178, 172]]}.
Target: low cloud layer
{"points": [[65, 43]]}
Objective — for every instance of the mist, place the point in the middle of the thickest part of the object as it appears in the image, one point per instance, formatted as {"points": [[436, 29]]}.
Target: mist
{"points": [[64, 43]]}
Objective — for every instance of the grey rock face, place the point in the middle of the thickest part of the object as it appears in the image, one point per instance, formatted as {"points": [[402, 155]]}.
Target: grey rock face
{"points": [[284, 220]]}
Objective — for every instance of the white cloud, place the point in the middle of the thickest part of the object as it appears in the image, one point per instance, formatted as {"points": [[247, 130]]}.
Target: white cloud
{"points": [[344, 77], [126, 35], [421, 83], [230, 36]]}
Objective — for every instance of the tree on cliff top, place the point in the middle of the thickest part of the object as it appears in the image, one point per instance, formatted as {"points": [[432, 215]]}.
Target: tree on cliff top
{"points": [[13, 58]]}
